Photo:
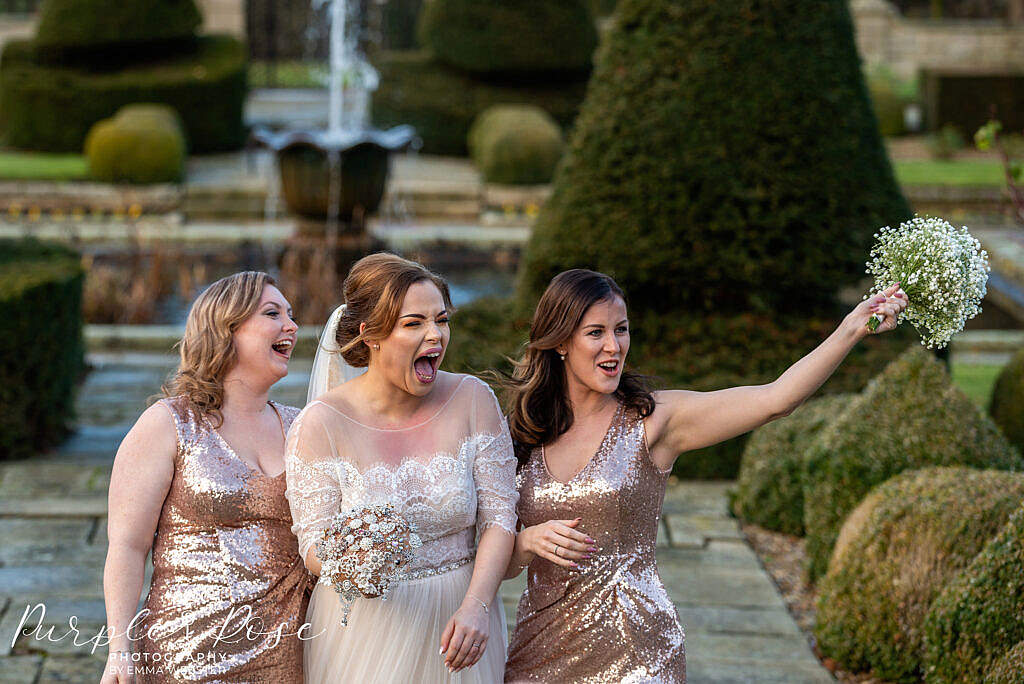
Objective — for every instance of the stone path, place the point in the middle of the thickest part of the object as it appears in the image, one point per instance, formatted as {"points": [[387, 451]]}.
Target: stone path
{"points": [[53, 543]]}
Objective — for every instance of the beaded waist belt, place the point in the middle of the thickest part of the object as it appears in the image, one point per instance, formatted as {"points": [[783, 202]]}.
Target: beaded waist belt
{"points": [[430, 572]]}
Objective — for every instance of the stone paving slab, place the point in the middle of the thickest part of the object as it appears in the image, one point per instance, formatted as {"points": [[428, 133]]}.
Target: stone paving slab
{"points": [[32, 540], [78, 507], [20, 669], [690, 527], [71, 669], [34, 478], [714, 671], [719, 586], [60, 627], [49, 582], [740, 621]]}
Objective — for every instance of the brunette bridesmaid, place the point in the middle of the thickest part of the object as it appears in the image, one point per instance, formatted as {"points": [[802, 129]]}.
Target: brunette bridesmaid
{"points": [[199, 480], [595, 448]]}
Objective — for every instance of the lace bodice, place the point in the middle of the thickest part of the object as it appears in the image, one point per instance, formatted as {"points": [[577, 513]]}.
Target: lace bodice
{"points": [[451, 476]]}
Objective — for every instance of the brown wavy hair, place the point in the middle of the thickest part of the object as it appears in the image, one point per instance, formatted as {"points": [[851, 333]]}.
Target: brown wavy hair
{"points": [[537, 389], [207, 349], [374, 291]]}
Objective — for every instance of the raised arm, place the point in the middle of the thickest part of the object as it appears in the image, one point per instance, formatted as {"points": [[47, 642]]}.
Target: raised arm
{"points": [[313, 491], [139, 482], [686, 420]]}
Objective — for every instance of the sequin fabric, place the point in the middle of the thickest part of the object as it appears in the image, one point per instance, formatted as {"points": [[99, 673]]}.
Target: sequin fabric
{"points": [[611, 620], [229, 590]]}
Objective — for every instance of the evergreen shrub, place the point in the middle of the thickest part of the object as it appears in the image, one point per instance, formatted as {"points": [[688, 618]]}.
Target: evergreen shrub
{"points": [[895, 554], [141, 144], [1007, 405], [910, 416], [980, 616], [41, 347], [515, 144], [726, 158], [51, 108], [503, 37], [770, 486], [441, 103]]}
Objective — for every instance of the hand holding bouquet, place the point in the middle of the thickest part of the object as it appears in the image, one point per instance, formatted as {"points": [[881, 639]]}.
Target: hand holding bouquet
{"points": [[363, 551], [942, 269]]}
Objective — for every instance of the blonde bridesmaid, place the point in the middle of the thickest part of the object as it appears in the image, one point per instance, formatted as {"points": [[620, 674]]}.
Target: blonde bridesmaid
{"points": [[199, 481], [595, 449]]}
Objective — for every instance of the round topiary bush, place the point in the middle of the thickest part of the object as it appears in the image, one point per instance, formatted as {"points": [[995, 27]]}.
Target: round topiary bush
{"points": [[515, 144], [140, 146], [1008, 669], [1007, 406], [698, 183], [980, 615], [770, 487], [510, 36], [50, 108], [81, 27], [910, 416], [895, 554]]}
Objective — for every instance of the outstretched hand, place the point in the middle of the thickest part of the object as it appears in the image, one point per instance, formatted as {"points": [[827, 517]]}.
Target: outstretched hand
{"points": [[888, 304]]}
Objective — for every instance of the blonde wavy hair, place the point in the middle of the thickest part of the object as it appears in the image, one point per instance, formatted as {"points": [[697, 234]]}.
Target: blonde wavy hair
{"points": [[207, 349]]}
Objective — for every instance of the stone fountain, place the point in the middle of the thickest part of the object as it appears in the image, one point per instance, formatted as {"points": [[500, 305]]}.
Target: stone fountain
{"points": [[339, 174]]}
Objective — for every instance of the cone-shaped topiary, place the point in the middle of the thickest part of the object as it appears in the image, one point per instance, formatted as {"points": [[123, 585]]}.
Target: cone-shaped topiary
{"points": [[896, 553], [515, 144], [909, 416], [1007, 407], [770, 486], [980, 615], [726, 156], [510, 36], [78, 26]]}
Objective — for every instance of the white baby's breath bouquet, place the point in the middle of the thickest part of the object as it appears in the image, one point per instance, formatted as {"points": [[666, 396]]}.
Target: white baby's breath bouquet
{"points": [[942, 269], [363, 553]]}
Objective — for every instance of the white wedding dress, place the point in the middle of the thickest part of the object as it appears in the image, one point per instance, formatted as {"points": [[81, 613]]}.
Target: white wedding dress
{"points": [[452, 476]]}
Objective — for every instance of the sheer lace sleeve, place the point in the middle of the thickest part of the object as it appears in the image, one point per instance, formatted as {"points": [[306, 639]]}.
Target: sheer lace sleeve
{"points": [[314, 493], [494, 467]]}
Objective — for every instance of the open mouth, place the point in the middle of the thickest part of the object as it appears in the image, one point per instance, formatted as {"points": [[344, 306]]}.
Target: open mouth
{"points": [[283, 348], [609, 368], [426, 366]]}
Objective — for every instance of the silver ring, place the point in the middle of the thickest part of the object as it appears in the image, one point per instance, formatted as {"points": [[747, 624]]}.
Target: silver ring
{"points": [[476, 646], [557, 549]]}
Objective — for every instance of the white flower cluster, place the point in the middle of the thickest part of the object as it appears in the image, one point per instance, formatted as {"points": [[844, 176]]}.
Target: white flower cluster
{"points": [[362, 553], [943, 270]]}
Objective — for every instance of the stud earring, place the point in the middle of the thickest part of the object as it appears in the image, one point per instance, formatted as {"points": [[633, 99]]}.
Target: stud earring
{"points": [[376, 346], [562, 356]]}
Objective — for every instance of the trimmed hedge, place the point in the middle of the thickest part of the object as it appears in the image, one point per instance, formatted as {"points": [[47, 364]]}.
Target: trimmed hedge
{"points": [[1007, 406], [896, 552], [1008, 669], [75, 28], [52, 109], [770, 486], [910, 416], [502, 37], [980, 615], [141, 144], [726, 158], [398, 24], [41, 346], [515, 144], [686, 351], [441, 103]]}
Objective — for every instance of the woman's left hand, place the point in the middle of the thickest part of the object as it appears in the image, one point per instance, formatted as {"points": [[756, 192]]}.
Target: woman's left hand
{"points": [[888, 304], [464, 639]]}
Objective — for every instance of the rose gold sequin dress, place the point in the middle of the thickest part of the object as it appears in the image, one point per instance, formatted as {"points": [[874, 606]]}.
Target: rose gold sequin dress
{"points": [[224, 561], [611, 620]]}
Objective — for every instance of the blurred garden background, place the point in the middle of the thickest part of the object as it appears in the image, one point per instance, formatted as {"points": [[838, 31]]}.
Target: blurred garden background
{"points": [[727, 162]]}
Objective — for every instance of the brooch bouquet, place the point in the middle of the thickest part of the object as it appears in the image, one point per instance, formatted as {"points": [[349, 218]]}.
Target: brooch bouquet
{"points": [[943, 270], [363, 553]]}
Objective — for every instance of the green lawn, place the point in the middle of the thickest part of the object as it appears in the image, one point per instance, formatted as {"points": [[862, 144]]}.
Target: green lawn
{"points": [[962, 172], [976, 381], [41, 166], [290, 74]]}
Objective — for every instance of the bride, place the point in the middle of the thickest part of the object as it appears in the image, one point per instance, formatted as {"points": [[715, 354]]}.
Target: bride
{"points": [[433, 444]]}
